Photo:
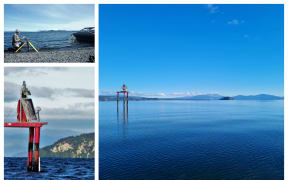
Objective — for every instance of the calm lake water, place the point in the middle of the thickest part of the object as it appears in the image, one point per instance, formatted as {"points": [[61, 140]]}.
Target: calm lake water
{"points": [[45, 40], [192, 140], [51, 168]]}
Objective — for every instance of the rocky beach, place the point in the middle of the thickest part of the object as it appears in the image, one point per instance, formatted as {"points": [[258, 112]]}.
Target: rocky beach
{"points": [[77, 55]]}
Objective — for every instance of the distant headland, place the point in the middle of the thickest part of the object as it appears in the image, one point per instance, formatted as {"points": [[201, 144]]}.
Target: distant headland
{"points": [[197, 97]]}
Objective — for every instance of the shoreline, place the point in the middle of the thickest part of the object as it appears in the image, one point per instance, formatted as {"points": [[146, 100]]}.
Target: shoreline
{"points": [[77, 55]]}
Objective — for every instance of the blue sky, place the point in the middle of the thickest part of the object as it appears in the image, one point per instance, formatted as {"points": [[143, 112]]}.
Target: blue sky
{"points": [[65, 95], [178, 50], [35, 17]]}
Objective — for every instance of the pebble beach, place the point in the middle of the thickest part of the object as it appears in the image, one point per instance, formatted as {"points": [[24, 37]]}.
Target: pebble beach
{"points": [[78, 55]]}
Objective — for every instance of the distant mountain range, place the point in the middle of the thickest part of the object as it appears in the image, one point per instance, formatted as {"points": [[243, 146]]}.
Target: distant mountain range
{"points": [[197, 97], [258, 97], [81, 146], [201, 97]]}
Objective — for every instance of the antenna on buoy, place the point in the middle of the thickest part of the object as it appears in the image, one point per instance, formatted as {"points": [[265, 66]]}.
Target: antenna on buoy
{"points": [[38, 109]]}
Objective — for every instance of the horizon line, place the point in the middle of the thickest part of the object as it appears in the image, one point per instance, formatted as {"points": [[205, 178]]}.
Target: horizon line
{"points": [[175, 96]]}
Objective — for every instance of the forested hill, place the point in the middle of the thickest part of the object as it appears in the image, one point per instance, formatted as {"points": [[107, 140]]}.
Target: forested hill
{"points": [[81, 146]]}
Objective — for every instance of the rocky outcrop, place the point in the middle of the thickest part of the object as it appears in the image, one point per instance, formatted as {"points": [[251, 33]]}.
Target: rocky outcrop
{"points": [[81, 146]]}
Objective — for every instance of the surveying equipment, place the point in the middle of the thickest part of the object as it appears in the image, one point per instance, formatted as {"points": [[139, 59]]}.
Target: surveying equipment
{"points": [[28, 46]]}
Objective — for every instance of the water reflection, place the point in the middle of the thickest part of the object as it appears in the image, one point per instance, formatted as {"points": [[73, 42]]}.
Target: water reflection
{"points": [[124, 117]]}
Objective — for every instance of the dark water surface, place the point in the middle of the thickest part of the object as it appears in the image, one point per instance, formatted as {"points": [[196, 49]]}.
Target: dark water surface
{"points": [[192, 140], [51, 168], [46, 40]]}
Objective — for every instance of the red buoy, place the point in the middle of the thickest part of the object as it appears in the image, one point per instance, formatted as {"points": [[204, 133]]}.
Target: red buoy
{"points": [[25, 115]]}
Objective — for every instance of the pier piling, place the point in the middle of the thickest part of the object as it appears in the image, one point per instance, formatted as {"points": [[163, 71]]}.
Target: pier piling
{"points": [[30, 149], [124, 91], [34, 136], [36, 150], [125, 102], [123, 97]]}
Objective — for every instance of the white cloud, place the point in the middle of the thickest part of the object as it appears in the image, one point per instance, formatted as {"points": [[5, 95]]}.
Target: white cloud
{"points": [[12, 92], [15, 71], [52, 77], [235, 22], [213, 9], [65, 93], [48, 17]]}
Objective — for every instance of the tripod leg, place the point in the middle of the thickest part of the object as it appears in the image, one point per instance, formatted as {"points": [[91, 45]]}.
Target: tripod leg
{"points": [[20, 47], [33, 47]]}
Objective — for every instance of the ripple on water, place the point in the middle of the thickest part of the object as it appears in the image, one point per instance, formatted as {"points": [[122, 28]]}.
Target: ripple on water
{"points": [[192, 140], [53, 168]]}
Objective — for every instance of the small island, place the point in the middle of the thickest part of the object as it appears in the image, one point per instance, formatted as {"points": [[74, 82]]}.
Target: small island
{"points": [[226, 98]]}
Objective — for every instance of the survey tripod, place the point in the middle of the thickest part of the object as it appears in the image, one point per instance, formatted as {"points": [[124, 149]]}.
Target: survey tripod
{"points": [[28, 45]]}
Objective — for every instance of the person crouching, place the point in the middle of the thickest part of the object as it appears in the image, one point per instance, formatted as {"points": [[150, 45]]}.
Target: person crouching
{"points": [[16, 40]]}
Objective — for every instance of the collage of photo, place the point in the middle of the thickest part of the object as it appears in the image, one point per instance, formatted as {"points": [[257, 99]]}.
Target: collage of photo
{"points": [[143, 91]]}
